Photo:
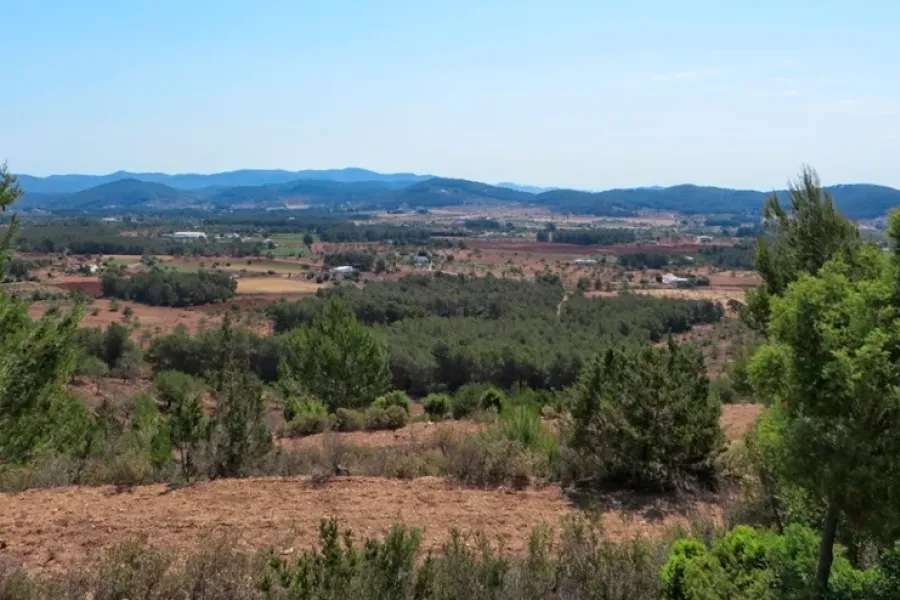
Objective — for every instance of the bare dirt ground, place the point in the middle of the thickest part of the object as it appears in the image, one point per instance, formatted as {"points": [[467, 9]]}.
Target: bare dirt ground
{"points": [[156, 319], [411, 434], [59, 528], [738, 419], [276, 285]]}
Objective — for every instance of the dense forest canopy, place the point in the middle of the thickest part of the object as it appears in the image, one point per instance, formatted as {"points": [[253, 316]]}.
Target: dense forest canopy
{"points": [[445, 331]]}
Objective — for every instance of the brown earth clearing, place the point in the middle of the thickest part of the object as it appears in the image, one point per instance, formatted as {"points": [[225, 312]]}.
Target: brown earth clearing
{"points": [[55, 529], [156, 319]]}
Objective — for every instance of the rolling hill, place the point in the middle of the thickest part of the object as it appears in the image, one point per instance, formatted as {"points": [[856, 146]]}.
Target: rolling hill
{"points": [[350, 188], [67, 184]]}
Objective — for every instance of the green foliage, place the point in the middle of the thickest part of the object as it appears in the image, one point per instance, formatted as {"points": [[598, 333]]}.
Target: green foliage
{"points": [[437, 406], [830, 369], [36, 358], [467, 400], [522, 424], [338, 360], [360, 260], [346, 419], [798, 242], [391, 418], [239, 436], [9, 193], [492, 399], [90, 366], [592, 237], [762, 565], [159, 287], [395, 398], [645, 417], [307, 423], [173, 388], [444, 331]]}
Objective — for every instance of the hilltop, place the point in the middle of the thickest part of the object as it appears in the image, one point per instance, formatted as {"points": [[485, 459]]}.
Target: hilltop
{"points": [[361, 189]]}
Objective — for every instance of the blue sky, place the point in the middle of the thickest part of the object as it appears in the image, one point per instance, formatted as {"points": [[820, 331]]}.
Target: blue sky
{"points": [[589, 94]]}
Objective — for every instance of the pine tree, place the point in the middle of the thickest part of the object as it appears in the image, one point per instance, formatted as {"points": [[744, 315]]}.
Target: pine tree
{"points": [[338, 359]]}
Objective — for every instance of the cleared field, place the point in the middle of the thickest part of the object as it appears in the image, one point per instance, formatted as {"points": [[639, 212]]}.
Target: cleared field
{"points": [[53, 529], [156, 319], [276, 285], [722, 294]]}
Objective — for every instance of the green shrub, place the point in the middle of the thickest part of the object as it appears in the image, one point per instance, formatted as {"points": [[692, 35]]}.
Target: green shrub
{"points": [[757, 563], [492, 399], [294, 406], [397, 417], [490, 459], [522, 424], [644, 418], [395, 398], [467, 400], [347, 419], [392, 417], [307, 423], [437, 406]]}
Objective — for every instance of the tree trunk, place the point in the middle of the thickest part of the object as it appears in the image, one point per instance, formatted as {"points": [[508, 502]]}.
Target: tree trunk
{"points": [[826, 550]]}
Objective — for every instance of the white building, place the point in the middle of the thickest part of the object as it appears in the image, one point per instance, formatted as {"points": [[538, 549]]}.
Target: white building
{"points": [[343, 270], [585, 261], [188, 235], [674, 280], [421, 261]]}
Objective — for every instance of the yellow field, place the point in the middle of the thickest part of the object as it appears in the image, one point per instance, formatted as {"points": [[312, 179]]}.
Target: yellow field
{"points": [[276, 285]]}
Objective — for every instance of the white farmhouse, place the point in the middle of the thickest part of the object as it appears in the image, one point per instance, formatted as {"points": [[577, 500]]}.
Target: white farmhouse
{"points": [[343, 270], [188, 235]]}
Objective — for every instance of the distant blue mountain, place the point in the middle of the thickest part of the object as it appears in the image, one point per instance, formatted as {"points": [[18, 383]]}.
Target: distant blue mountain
{"points": [[67, 184], [530, 189], [363, 189]]}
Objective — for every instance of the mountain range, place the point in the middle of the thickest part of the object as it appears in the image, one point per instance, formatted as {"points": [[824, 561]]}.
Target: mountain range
{"points": [[361, 189]]}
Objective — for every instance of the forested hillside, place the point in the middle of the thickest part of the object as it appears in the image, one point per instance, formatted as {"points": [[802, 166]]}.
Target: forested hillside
{"points": [[358, 189]]}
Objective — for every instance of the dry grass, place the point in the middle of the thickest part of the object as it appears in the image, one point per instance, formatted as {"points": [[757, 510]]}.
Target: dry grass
{"points": [[156, 319], [56, 529], [276, 285]]}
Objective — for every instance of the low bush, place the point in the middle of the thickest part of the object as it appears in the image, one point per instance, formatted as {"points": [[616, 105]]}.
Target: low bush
{"points": [[490, 459], [437, 406], [752, 563], [347, 419], [307, 423], [391, 418], [522, 424], [292, 407], [395, 398], [467, 400], [492, 399]]}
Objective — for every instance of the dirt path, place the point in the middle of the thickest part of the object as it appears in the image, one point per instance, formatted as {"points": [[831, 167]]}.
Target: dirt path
{"points": [[58, 528], [560, 305]]}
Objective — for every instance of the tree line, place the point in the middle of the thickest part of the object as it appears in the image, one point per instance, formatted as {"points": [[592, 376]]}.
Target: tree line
{"points": [[163, 287]]}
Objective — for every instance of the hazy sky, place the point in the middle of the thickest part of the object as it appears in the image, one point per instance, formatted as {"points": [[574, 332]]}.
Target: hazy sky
{"points": [[591, 94]]}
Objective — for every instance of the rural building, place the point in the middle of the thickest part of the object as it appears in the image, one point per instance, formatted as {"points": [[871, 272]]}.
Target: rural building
{"points": [[674, 280], [188, 235], [343, 270], [421, 261], [585, 261]]}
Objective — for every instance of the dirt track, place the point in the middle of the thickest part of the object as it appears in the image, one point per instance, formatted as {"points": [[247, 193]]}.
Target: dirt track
{"points": [[55, 529]]}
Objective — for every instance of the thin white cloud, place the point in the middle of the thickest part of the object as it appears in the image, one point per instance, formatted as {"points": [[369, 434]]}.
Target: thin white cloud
{"points": [[695, 74]]}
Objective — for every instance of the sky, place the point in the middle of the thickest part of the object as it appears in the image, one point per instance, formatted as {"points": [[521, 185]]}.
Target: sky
{"points": [[588, 94]]}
